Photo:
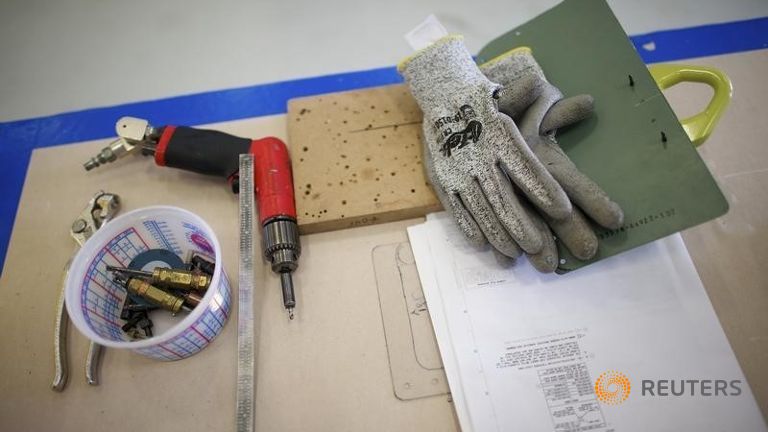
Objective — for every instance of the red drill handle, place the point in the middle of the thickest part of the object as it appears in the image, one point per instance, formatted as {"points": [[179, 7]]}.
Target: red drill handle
{"points": [[274, 181], [217, 153]]}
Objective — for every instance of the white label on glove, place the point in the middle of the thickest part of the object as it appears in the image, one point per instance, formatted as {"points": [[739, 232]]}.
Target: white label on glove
{"points": [[426, 33]]}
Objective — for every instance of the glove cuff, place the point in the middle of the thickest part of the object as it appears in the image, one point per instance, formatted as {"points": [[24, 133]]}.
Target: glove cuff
{"points": [[442, 71], [511, 66]]}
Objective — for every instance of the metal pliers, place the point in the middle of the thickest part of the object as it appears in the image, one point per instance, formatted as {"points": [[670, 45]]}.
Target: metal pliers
{"points": [[100, 209]]}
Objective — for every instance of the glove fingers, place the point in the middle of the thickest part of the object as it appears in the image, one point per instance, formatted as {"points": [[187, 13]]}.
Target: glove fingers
{"points": [[452, 203], [567, 112], [530, 176], [503, 260], [593, 200], [546, 260], [576, 234], [475, 202], [519, 95], [582, 190], [464, 220], [510, 212]]}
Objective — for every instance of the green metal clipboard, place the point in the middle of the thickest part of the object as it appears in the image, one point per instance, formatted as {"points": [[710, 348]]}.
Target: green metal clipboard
{"points": [[633, 146]]}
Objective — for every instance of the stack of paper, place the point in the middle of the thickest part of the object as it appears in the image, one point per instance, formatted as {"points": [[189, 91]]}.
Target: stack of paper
{"points": [[523, 351]]}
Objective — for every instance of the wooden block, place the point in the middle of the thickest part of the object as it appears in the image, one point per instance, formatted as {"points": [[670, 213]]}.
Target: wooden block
{"points": [[357, 159]]}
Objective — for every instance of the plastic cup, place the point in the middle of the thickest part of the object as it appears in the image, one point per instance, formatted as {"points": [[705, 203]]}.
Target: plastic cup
{"points": [[94, 301]]}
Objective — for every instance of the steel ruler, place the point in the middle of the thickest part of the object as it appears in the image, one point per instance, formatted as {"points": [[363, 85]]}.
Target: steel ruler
{"points": [[245, 342]]}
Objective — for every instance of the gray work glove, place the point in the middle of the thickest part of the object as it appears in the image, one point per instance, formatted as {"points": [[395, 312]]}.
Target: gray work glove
{"points": [[475, 156], [521, 77]]}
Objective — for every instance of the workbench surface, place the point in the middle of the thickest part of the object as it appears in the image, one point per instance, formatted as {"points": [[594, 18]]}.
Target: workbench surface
{"points": [[328, 370]]}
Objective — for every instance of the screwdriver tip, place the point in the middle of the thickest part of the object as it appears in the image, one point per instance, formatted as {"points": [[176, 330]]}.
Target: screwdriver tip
{"points": [[290, 313]]}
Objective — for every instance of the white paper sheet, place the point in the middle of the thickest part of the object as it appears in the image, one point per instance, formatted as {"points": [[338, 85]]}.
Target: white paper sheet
{"points": [[522, 350]]}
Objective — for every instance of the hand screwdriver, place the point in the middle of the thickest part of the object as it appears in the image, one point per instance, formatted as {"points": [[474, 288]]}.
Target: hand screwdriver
{"points": [[216, 153], [170, 278]]}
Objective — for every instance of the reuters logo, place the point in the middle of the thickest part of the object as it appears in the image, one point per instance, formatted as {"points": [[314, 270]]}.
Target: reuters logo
{"points": [[612, 387]]}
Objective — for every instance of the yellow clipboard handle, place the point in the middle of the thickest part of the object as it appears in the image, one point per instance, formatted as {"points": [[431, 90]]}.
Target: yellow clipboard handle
{"points": [[700, 126]]}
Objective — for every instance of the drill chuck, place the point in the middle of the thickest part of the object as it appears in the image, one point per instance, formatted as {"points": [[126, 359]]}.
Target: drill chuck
{"points": [[282, 249]]}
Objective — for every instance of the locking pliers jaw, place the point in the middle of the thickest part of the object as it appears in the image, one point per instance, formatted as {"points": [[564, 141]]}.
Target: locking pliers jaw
{"points": [[100, 209]]}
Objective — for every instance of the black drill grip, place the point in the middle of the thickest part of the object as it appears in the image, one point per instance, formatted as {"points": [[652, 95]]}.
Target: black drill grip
{"points": [[200, 150]]}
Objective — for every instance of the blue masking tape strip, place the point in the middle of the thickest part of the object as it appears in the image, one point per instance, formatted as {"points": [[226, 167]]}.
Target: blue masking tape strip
{"points": [[702, 41], [19, 138]]}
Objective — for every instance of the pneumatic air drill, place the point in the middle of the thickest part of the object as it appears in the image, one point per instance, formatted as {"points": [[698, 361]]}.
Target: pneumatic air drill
{"points": [[216, 153]]}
